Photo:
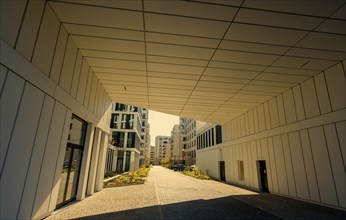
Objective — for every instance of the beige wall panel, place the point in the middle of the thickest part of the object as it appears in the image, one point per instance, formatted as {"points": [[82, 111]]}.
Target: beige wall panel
{"points": [[267, 115], [322, 165], [100, 102], [254, 165], [298, 166], [59, 55], [9, 104], [246, 164], [258, 150], [274, 115], [336, 163], [251, 122], [50, 157], [92, 95], [3, 74], [97, 97], [250, 165], [341, 130], [289, 166], [310, 98], [309, 166], [242, 125], [236, 130], [60, 161], [265, 156], [18, 156], [274, 179], [322, 93], [88, 88], [76, 74], [36, 159], [281, 110], [30, 26], [82, 82], [11, 13], [298, 100], [246, 115], [255, 114], [335, 77], [261, 118], [280, 165], [68, 66], [290, 110], [46, 41]]}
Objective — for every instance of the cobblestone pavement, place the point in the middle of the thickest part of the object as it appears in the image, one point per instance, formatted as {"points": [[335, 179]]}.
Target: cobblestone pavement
{"points": [[170, 195]]}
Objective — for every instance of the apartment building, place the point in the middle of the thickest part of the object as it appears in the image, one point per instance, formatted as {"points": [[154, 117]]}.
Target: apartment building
{"points": [[126, 129], [162, 148], [152, 154], [189, 127], [145, 139]]}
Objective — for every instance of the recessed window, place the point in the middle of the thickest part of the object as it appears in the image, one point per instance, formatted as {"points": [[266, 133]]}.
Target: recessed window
{"points": [[240, 170]]}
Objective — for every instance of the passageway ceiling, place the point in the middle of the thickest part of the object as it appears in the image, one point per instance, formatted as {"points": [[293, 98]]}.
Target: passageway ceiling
{"points": [[210, 59]]}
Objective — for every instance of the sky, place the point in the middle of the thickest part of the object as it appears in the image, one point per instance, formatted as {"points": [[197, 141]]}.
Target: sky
{"points": [[161, 124]]}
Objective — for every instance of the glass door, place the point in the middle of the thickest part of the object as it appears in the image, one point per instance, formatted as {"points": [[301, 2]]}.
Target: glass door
{"points": [[72, 162]]}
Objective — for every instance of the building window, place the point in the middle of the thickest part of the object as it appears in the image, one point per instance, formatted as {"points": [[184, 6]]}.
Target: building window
{"points": [[118, 138], [114, 121], [131, 140], [209, 137], [212, 137], [121, 107], [127, 121], [240, 170], [218, 134], [133, 109]]}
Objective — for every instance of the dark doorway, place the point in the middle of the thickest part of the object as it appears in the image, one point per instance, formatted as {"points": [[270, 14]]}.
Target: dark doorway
{"points": [[222, 171], [262, 175], [72, 162]]}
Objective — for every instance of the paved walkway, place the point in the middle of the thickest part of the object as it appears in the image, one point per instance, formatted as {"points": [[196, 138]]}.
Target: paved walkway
{"points": [[170, 195]]}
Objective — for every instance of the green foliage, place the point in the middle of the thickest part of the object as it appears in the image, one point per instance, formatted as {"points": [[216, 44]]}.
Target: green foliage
{"points": [[196, 173], [131, 178]]}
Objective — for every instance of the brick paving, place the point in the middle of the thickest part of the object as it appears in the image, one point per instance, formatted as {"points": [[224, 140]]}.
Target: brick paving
{"points": [[169, 195]]}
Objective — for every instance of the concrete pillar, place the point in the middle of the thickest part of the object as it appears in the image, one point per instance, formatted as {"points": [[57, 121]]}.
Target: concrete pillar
{"points": [[101, 162], [132, 161], [83, 178], [94, 162], [115, 158]]}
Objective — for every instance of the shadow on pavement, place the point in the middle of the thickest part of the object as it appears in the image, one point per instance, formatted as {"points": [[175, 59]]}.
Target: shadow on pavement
{"points": [[232, 207]]}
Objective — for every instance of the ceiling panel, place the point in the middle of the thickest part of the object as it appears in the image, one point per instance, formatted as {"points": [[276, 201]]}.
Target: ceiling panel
{"points": [[191, 70], [98, 16], [321, 8], [324, 41], [184, 26], [191, 9], [244, 57], [182, 40], [178, 51], [263, 34], [112, 55], [277, 19], [179, 59], [133, 4], [174, 60], [111, 63], [95, 43], [237, 66], [86, 30], [319, 54], [304, 63], [253, 47]]}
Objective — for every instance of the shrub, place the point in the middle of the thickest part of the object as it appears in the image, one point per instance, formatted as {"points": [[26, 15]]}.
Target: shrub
{"points": [[131, 178]]}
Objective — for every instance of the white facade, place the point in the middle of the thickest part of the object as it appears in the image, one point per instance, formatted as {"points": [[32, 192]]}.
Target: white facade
{"points": [[177, 144], [160, 148], [300, 134], [189, 127]]}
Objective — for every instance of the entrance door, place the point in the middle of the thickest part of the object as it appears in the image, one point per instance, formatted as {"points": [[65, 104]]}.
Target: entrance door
{"points": [[262, 175], [72, 162], [222, 171]]}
